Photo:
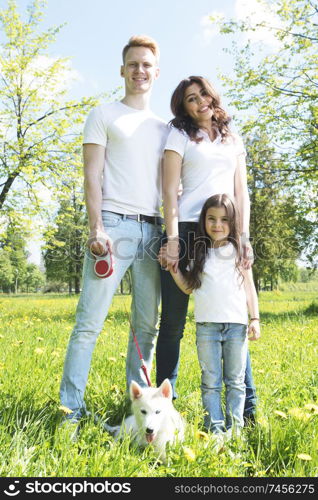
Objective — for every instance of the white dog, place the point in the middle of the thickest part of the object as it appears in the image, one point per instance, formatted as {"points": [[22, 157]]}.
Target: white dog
{"points": [[154, 419]]}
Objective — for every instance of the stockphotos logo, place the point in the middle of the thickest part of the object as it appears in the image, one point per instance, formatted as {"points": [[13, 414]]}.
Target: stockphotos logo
{"points": [[74, 489], [12, 490]]}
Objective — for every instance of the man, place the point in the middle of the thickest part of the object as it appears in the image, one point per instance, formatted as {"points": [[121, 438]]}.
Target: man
{"points": [[123, 146]]}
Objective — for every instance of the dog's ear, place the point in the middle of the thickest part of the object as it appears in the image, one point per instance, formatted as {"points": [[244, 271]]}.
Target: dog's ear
{"points": [[135, 390], [166, 389]]}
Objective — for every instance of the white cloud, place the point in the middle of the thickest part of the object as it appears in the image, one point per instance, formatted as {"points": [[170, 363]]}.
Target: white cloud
{"points": [[209, 29], [62, 79], [258, 11]]}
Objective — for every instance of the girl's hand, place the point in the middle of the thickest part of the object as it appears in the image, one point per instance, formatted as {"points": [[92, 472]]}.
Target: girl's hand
{"points": [[254, 331], [169, 255]]}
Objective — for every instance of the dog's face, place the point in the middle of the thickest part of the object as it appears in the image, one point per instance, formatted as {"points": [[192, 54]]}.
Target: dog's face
{"points": [[150, 406]]}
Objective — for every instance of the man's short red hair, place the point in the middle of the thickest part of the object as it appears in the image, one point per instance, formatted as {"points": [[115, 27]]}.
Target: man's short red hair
{"points": [[142, 41]]}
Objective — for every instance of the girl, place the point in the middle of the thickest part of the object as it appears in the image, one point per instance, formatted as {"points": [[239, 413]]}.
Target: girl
{"points": [[223, 290], [207, 158]]}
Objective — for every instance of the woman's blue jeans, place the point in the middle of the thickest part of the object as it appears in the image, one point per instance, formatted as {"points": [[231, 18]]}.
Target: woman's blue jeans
{"points": [[174, 307]]}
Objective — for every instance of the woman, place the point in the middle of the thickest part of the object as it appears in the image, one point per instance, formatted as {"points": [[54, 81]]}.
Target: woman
{"points": [[202, 154]]}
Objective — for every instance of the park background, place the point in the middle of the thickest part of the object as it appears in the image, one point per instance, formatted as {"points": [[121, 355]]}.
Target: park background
{"points": [[57, 60]]}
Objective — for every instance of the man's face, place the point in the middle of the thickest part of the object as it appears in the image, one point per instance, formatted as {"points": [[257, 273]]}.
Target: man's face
{"points": [[139, 70]]}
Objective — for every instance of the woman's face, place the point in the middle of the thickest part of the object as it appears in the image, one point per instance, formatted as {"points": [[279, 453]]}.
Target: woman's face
{"points": [[197, 103]]}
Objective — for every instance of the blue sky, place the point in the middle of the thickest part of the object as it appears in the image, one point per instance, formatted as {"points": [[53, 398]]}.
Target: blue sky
{"points": [[96, 31]]}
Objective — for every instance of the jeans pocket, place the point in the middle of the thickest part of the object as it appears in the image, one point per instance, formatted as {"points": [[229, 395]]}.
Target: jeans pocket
{"points": [[110, 219]]}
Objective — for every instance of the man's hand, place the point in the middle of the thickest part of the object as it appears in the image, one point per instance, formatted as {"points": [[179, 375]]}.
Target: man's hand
{"points": [[99, 242]]}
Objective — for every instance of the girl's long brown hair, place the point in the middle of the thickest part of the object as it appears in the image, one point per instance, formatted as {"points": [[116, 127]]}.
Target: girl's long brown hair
{"points": [[203, 242], [182, 121]]}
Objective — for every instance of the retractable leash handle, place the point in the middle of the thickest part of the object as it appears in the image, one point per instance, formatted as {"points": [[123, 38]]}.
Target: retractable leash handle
{"points": [[104, 265]]}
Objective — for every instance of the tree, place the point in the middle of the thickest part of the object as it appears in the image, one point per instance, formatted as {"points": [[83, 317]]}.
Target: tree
{"points": [[33, 279], [65, 240], [274, 218], [38, 126], [14, 254], [6, 272], [276, 90]]}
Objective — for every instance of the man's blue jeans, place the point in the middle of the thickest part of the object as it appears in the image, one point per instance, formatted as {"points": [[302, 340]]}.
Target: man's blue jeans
{"points": [[222, 349], [135, 246], [174, 307]]}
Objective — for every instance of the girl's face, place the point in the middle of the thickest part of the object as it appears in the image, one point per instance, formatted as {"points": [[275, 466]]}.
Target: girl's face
{"points": [[217, 225], [197, 103]]}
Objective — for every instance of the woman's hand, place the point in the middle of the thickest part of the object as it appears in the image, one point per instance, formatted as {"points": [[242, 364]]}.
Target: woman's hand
{"points": [[254, 331], [247, 255]]}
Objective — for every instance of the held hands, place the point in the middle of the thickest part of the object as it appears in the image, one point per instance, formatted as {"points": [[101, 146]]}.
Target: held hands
{"points": [[169, 255], [254, 331], [99, 242]]}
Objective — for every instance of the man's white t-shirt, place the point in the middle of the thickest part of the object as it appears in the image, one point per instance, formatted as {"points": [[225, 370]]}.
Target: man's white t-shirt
{"points": [[221, 297], [134, 142], [208, 168]]}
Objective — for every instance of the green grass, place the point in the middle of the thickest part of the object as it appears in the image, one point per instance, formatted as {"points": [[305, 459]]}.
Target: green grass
{"points": [[34, 333]]}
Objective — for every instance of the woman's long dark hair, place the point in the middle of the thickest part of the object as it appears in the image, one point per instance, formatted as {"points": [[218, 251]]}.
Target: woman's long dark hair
{"points": [[182, 121], [203, 242]]}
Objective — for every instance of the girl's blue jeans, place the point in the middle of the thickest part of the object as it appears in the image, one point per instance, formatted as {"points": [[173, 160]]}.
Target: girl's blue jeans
{"points": [[174, 307], [135, 247], [222, 350]]}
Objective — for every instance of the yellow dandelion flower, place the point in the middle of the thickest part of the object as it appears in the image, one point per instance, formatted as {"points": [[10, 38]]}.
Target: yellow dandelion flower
{"points": [[299, 414], [39, 350], [189, 454], [40, 339], [260, 473], [281, 414], [112, 359], [263, 422], [202, 435], [65, 410], [304, 456], [312, 407], [122, 354], [55, 354], [18, 343]]}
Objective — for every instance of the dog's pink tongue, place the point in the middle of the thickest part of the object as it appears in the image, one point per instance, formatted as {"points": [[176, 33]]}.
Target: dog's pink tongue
{"points": [[150, 437]]}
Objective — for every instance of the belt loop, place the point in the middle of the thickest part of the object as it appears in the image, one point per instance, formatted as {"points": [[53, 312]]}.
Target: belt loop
{"points": [[139, 218], [124, 216]]}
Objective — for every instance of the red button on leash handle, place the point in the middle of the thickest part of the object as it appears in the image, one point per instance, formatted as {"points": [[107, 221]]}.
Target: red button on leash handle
{"points": [[104, 265]]}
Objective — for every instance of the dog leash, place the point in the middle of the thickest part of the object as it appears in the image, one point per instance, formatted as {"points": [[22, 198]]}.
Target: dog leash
{"points": [[142, 361], [103, 268], [104, 264]]}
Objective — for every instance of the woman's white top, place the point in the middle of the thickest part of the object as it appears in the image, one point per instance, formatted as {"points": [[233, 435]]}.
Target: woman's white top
{"points": [[208, 168], [221, 297]]}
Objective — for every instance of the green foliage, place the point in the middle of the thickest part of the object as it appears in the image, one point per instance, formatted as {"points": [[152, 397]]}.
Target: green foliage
{"points": [[40, 129], [16, 273], [274, 86], [66, 235], [33, 338]]}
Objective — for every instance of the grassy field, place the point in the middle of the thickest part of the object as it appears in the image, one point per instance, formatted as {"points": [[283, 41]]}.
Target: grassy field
{"points": [[34, 333]]}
